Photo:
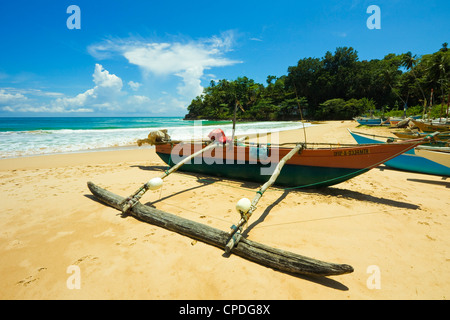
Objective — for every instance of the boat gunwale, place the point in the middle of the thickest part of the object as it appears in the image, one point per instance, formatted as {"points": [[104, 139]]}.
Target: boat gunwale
{"points": [[305, 145]]}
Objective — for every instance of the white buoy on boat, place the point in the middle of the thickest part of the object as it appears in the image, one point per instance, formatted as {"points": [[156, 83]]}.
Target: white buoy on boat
{"points": [[243, 205], [155, 183]]}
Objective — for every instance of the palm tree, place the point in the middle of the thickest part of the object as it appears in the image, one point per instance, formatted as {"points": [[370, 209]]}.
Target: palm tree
{"points": [[409, 61], [437, 70], [388, 79]]}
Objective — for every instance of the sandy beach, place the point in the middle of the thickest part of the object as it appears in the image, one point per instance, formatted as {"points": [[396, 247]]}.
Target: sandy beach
{"points": [[385, 223]]}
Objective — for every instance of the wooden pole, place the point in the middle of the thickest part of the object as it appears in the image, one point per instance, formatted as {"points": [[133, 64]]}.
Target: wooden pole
{"points": [[448, 104], [424, 109], [278, 259], [235, 233], [431, 105], [131, 201], [234, 122], [301, 113]]}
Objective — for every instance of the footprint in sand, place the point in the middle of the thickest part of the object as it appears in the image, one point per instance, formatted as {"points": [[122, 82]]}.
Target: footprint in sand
{"points": [[27, 281], [85, 258], [30, 279], [147, 236], [127, 242]]}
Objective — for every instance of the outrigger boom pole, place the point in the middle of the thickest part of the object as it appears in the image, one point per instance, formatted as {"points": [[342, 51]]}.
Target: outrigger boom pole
{"points": [[235, 233], [131, 201]]}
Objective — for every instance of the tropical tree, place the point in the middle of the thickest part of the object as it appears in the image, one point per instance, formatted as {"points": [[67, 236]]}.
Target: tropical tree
{"points": [[409, 61], [337, 85], [438, 67]]}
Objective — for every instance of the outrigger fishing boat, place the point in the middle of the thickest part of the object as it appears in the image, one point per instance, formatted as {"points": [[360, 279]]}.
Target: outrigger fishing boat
{"points": [[431, 127], [371, 121], [302, 165], [313, 166], [442, 139]]}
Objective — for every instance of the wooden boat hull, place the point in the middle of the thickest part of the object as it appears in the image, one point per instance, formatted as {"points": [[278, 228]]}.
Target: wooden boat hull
{"points": [[425, 127], [442, 139], [408, 161], [394, 122], [311, 168], [278, 259], [415, 135]]}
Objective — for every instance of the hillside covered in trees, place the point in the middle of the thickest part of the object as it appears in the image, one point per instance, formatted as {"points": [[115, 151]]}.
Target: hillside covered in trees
{"points": [[336, 86]]}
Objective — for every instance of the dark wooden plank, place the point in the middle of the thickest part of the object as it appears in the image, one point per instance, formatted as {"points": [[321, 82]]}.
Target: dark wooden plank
{"points": [[268, 256]]}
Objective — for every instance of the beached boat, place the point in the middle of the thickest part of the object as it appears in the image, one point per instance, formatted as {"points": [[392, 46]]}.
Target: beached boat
{"points": [[312, 167], [300, 166], [408, 161], [401, 122], [442, 139], [395, 121], [367, 121], [431, 127], [441, 156]]}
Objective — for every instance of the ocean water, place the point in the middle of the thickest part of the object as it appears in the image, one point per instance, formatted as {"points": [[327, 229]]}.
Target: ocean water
{"points": [[21, 137]]}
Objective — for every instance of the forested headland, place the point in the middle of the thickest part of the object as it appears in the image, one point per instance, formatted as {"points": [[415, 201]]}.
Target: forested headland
{"points": [[335, 87]]}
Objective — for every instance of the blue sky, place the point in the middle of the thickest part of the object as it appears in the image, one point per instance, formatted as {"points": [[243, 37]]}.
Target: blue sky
{"points": [[151, 58]]}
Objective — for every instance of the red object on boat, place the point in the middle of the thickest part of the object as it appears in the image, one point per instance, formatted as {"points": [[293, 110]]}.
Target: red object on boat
{"points": [[217, 135]]}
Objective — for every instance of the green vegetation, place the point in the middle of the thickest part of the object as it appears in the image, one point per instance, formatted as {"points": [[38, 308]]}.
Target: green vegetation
{"points": [[336, 86]]}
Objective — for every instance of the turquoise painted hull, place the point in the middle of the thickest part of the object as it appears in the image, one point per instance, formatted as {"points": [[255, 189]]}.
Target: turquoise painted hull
{"points": [[294, 176], [369, 122], [408, 161]]}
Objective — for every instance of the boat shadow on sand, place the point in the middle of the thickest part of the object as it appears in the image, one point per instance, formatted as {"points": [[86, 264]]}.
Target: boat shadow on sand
{"points": [[444, 180], [206, 180], [322, 280], [343, 194], [433, 182]]}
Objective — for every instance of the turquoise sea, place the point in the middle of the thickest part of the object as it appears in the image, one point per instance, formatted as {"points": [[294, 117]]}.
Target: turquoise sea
{"points": [[49, 135]]}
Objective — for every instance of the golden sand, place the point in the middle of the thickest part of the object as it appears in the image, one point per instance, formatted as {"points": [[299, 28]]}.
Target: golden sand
{"points": [[391, 226]]}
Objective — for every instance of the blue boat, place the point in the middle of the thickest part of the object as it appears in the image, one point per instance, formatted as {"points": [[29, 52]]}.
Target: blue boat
{"points": [[407, 161], [369, 121]]}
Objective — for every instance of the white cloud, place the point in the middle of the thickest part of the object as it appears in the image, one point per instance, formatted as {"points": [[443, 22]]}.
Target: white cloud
{"points": [[103, 79], [187, 60], [30, 108], [138, 100], [340, 34], [6, 98], [134, 85], [104, 95], [166, 58], [191, 80]]}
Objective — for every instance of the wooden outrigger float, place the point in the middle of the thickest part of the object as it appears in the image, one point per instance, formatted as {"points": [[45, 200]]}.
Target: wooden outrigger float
{"points": [[353, 160], [270, 257]]}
